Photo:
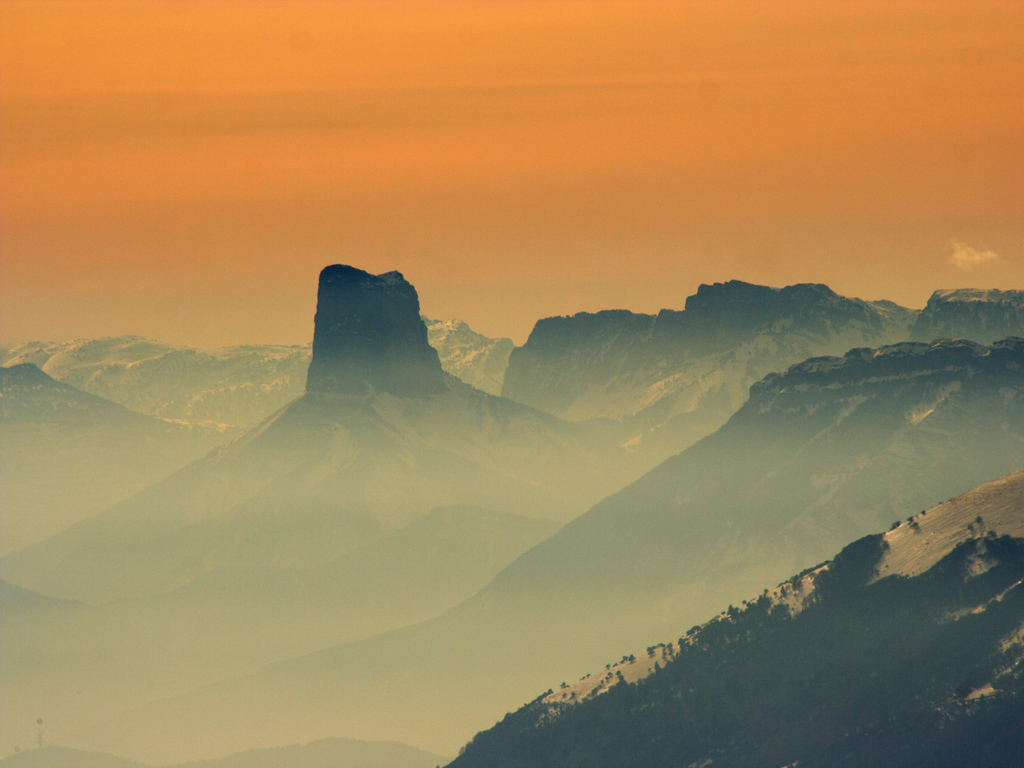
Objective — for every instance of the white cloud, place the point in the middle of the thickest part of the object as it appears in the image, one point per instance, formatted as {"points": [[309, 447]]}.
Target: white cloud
{"points": [[967, 257]]}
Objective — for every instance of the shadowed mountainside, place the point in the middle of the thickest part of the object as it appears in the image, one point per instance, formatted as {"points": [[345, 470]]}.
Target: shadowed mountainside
{"points": [[906, 649]]}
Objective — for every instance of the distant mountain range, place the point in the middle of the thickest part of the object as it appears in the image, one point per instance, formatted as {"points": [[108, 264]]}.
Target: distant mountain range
{"points": [[905, 649], [969, 313], [379, 555], [234, 386], [677, 376], [820, 454], [472, 357]]}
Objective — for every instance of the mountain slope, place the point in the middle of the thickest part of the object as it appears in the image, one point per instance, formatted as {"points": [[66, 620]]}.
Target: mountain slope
{"points": [[829, 450], [66, 454], [907, 649], [237, 386], [678, 376]]}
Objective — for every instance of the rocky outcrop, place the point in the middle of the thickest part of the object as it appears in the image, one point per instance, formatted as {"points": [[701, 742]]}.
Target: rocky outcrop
{"points": [[369, 336], [983, 316]]}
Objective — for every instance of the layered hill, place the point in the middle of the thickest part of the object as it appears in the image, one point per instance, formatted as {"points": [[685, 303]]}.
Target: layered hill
{"points": [[819, 455], [236, 386], [906, 649], [677, 376], [75, 662], [326, 753], [66, 454]]}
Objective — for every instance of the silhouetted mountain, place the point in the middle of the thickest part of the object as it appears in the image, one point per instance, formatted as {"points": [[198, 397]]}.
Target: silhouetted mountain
{"points": [[67, 454], [819, 455], [348, 460], [983, 316], [678, 376], [368, 337], [905, 650]]}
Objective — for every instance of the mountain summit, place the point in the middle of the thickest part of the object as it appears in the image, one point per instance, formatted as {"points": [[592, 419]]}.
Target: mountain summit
{"points": [[980, 315], [368, 335]]}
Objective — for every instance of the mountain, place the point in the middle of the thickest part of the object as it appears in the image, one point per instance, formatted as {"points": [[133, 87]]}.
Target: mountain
{"points": [[235, 387], [904, 650], [984, 316], [381, 436], [677, 376], [326, 753], [472, 357], [819, 455], [384, 495], [67, 454]]}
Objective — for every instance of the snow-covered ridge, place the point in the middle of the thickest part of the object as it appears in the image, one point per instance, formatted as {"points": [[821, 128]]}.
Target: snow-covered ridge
{"points": [[911, 548], [903, 359], [996, 508], [976, 294]]}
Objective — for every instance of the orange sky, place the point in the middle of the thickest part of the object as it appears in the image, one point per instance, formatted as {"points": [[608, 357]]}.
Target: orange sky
{"points": [[183, 169]]}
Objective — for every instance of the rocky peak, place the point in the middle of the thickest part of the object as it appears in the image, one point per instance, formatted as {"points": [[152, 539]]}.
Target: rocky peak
{"points": [[983, 316], [368, 336]]}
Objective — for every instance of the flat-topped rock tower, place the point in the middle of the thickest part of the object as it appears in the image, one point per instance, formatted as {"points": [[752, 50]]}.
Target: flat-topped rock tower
{"points": [[368, 336]]}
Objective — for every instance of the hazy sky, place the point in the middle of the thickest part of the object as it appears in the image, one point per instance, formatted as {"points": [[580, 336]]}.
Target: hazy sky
{"points": [[183, 169]]}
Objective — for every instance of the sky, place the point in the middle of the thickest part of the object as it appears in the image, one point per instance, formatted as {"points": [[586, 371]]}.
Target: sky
{"points": [[182, 169]]}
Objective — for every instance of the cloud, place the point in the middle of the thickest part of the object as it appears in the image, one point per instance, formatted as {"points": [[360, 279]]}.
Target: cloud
{"points": [[967, 257]]}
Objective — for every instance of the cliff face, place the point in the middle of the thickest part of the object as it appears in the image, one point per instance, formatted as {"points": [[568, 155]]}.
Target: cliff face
{"points": [[677, 376], [368, 335], [970, 313]]}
